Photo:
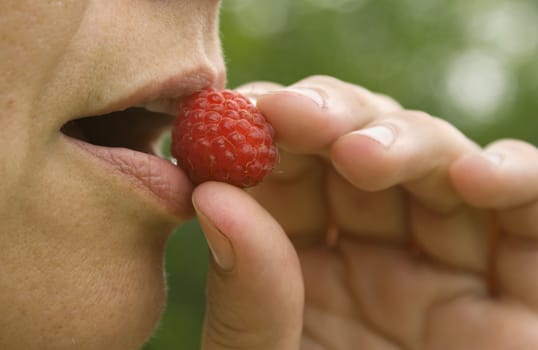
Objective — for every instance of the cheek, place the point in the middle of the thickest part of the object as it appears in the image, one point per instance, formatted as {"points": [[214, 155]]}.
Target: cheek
{"points": [[34, 34], [79, 267]]}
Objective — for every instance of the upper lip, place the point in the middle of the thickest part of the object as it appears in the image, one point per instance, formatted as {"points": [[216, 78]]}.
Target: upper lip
{"points": [[116, 124], [163, 95]]}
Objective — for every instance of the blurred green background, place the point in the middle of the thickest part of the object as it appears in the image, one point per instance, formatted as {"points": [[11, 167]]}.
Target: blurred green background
{"points": [[472, 62]]}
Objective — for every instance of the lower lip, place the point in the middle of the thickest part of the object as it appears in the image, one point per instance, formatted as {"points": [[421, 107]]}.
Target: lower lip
{"points": [[162, 179]]}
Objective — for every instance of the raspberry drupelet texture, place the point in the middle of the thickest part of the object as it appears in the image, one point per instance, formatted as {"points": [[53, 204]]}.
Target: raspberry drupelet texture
{"points": [[222, 136]]}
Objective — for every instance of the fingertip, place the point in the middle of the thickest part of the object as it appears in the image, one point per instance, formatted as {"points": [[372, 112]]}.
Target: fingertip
{"points": [[300, 118], [314, 96], [504, 175], [230, 209], [213, 199], [254, 90], [475, 178], [253, 233], [361, 159], [256, 87]]}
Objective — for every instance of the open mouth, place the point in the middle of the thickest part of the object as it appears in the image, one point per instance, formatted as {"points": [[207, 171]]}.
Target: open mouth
{"points": [[135, 128], [129, 143], [122, 139]]}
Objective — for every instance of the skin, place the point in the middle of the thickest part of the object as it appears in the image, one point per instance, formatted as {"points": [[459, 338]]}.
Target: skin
{"points": [[390, 244], [82, 249], [350, 243]]}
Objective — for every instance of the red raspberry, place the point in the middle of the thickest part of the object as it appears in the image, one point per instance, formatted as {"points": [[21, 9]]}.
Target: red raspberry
{"points": [[222, 136]]}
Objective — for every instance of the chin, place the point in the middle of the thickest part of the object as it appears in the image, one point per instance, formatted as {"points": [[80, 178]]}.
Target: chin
{"points": [[90, 289]]}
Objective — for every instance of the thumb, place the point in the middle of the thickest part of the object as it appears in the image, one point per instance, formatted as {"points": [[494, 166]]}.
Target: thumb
{"points": [[255, 291]]}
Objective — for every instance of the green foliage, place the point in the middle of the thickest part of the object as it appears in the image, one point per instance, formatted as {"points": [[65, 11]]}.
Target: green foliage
{"points": [[186, 265], [472, 62]]}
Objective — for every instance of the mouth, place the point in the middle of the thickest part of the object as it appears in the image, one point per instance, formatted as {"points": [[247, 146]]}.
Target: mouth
{"points": [[135, 128], [128, 139]]}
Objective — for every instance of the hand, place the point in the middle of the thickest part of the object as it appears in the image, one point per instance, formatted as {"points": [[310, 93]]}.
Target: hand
{"points": [[374, 232]]}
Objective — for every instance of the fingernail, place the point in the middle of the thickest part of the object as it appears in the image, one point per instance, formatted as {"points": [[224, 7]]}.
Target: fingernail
{"points": [[313, 95], [381, 134], [492, 157], [219, 245]]}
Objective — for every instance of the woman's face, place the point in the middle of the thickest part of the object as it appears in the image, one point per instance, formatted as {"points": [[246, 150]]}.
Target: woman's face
{"points": [[83, 224]]}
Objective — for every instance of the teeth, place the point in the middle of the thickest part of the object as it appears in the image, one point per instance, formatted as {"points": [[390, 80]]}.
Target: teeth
{"points": [[166, 106], [160, 146]]}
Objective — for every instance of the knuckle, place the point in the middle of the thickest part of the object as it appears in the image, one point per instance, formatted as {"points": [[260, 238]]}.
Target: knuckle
{"points": [[320, 79], [445, 126], [258, 87], [418, 119], [435, 123], [388, 103], [419, 116], [513, 145], [351, 94], [225, 335], [447, 135]]}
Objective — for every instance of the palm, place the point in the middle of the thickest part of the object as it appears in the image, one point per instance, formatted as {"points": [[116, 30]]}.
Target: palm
{"points": [[384, 271], [377, 295]]}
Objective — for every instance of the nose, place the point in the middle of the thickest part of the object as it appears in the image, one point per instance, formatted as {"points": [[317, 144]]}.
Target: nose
{"points": [[181, 30], [147, 40]]}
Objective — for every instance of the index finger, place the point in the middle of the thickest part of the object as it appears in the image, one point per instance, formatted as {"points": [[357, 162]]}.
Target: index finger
{"points": [[311, 114]]}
